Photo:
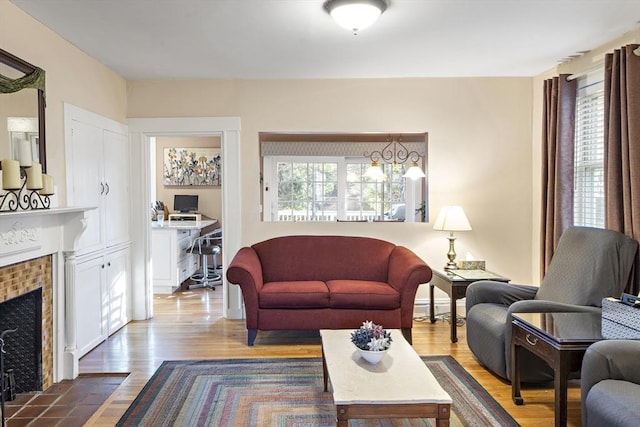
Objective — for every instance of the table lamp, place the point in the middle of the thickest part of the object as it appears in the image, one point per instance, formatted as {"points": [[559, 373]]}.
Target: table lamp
{"points": [[451, 218]]}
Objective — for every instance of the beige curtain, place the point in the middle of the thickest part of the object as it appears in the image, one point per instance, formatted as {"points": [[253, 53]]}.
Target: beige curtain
{"points": [[557, 163], [622, 146]]}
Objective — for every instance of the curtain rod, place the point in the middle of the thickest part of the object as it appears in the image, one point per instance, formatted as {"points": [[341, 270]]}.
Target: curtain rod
{"points": [[596, 67]]}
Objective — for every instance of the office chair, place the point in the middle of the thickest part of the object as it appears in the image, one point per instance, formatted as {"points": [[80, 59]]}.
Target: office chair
{"points": [[205, 246]]}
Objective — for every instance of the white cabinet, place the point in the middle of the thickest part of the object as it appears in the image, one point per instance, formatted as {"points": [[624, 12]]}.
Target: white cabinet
{"points": [[172, 264], [100, 297], [98, 176], [117, 282], [98, 273], [89, 291]]}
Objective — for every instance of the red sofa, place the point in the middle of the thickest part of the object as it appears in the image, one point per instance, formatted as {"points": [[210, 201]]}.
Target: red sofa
{"points": [[327, 282]]}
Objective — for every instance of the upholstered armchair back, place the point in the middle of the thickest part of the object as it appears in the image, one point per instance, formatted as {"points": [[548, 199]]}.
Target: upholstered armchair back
{"points": [[589, 264], [324, 258]]}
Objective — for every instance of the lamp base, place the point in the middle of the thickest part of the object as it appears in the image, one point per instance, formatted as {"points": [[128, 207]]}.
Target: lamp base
{"points": [[451, 265]]}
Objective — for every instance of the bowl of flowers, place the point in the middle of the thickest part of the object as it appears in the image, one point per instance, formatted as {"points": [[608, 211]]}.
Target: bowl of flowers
{"points": [[372, 341]]}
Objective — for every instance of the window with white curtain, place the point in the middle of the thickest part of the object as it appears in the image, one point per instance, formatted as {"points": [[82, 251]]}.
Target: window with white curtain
{"points": [[588, 202]]}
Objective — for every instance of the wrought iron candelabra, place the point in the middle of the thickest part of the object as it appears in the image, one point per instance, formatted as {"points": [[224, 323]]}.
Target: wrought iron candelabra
{"points": [[23, 198]]}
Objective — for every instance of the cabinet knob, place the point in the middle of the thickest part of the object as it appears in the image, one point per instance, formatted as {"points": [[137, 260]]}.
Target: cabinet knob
{"points": [[102, 265], [102, 188], [107, 185], [108, 264]]}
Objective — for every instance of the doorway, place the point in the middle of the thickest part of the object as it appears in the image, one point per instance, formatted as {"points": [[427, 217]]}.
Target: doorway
{"points": [[141, 132]]}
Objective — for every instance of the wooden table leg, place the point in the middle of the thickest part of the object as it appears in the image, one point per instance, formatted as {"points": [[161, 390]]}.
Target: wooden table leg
{"points": [[432, 310], [342, 418], [325, 373], [560, 380], [444, 416], [515, 375], [454, 319]]}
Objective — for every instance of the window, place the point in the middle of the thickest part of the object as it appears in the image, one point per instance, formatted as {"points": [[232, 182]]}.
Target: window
{"points": [[336, 188], [588, 203], [322, 177]]}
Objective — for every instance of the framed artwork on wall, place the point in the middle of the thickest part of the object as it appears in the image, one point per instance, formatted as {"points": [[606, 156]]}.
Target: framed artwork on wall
{"points": [[192, 166]]}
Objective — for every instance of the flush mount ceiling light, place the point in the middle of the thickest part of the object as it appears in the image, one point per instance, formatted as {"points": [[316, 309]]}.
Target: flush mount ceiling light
{"points": [[355, 15]]}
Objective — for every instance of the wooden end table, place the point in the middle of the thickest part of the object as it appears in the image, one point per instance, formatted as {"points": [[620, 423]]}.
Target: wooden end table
{"points": [[455, 284], [560, 339], [399, 386]]}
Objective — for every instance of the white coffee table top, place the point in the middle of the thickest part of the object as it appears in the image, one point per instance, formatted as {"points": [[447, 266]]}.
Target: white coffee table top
{"points": [[400, 377]]}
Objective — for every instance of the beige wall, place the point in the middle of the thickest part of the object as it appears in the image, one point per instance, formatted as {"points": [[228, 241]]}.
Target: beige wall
{"points": [[209, 198], [72, 76], [479, 149], [484, 136]]}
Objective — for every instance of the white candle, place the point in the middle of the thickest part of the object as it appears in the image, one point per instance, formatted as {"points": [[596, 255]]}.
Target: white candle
{"points": [[34, 177], [10, 174], [47, 185], [24, 155]]}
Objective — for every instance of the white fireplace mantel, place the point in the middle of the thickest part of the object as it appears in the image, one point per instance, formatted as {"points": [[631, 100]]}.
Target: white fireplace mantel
{"points": [[25, 235]]}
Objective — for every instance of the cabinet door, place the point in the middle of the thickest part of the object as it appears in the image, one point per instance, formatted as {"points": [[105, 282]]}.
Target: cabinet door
{"points": [[84, 180], [118, 282], [116, 179], [89, 299]]}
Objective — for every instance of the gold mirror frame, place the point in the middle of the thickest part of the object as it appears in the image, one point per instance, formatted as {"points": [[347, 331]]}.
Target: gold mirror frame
{"points": [[27, 68]]}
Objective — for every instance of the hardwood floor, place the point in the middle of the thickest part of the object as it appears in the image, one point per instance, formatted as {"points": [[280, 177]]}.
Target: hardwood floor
{"points": [[189, 325]]}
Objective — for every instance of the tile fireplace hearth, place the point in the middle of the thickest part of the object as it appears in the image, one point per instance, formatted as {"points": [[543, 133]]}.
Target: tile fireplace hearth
{"points": [[34, 246], [26, 305]]}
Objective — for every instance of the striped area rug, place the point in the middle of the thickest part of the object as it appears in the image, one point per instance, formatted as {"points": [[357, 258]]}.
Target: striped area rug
{"points": [[283, 392]]}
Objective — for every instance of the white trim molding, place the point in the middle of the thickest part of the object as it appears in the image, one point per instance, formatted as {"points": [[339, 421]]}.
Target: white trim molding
{"points": [[140, 133]]}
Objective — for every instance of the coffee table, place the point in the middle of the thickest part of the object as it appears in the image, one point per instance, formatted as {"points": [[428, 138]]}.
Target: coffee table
{"points": [[560, 339], [399, 386]]}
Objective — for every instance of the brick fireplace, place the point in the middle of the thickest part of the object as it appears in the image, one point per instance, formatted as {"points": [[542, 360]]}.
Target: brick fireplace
{"points": [[19, 280], [34, 247]]}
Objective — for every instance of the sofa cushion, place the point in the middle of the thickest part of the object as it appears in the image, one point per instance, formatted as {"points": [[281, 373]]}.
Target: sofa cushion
{"points": [[613, 403], [294, 294], [359, 294], [291, 258]]}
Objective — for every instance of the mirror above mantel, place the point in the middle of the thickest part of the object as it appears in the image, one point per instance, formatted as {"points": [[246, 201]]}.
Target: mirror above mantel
{"points": [[22, 110]]}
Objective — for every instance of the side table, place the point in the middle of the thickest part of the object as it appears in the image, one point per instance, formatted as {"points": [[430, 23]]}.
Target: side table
{"points": [[560, 339], [455, 283]]}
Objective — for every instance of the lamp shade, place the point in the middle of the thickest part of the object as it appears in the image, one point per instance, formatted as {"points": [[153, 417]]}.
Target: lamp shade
{"points": [[414, 172], [452, 218], [375, 172], [355, 15]]}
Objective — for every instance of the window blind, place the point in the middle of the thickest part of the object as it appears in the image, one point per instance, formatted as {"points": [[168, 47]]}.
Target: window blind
{"points": [[589, 153]]}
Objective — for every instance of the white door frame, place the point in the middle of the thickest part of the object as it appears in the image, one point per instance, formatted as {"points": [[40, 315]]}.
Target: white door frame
{"points": [[140, 132]]}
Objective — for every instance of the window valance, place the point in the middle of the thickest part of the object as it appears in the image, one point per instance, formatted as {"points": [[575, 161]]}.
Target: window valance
{"points": [[341, 149]]}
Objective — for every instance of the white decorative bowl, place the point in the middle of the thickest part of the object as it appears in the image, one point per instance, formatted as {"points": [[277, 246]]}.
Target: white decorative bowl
{"points": [[372, 357]]}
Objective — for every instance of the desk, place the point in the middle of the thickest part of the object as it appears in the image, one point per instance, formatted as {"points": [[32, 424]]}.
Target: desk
{"points": [[456, 287], [560, 339], [171, 264]]}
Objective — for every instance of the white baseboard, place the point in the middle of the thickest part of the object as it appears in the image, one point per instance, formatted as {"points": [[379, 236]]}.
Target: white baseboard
{"points": [[442, 305]]}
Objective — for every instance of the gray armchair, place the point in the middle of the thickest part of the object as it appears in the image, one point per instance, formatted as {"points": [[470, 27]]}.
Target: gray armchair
{"points": [[589, 264], [610, 384]]}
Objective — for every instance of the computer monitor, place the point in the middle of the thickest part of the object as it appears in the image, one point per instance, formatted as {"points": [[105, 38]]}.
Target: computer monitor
{"points": [[185, 203]]}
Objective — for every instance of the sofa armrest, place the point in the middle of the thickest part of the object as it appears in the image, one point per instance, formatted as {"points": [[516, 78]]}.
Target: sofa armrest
{"points": [[245, 270], [406, 272], [490, 291], [609, 359]]}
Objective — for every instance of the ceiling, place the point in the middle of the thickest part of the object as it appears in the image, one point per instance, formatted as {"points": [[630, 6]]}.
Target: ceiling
{"points": [[284, 39]]}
